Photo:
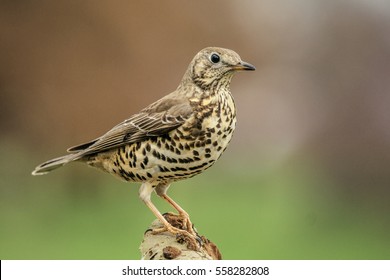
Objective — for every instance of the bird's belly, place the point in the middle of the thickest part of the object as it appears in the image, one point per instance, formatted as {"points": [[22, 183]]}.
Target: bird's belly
{"points": [[167, 159]]}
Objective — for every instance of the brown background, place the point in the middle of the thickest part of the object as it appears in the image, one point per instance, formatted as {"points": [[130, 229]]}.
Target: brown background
{"points": [[316, 108]]}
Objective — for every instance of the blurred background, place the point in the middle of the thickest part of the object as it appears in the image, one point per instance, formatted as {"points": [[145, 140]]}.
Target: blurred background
{"points": [[305, 177]]}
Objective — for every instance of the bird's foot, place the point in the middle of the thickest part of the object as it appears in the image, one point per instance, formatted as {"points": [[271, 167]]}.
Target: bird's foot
{"points": [[188, 225], [182, 236], [181, 221]]}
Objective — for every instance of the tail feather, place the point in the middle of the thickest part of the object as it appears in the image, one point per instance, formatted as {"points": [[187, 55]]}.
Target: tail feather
{"points": [[55, 163]]}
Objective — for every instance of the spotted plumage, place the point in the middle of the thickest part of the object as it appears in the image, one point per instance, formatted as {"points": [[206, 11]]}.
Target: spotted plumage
{"points": [[174, 138]]}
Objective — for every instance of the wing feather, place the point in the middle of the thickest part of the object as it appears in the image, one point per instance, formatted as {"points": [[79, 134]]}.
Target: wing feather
{"points": [[156, 120]]}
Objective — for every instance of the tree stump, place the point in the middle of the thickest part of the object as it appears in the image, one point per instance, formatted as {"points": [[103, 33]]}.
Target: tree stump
{"points": [[166, 246]]}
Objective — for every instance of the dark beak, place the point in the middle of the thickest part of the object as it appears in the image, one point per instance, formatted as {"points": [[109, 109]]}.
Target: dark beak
{"points": [[244, 66]]}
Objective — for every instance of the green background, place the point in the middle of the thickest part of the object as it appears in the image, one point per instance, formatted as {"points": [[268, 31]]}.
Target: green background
{"points": [[287, 213]]}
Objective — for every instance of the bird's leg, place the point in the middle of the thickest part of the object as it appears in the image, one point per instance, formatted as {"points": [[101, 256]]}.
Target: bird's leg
{"points": [[167, 226], [145, 193], [186, 218], [161, 191]]}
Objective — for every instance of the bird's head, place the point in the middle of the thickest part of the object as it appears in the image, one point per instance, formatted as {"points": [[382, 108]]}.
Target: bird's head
{"points": [[212, 65]]}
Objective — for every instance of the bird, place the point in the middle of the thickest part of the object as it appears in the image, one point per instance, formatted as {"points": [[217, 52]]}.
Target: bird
{"points": [[175, 138]]}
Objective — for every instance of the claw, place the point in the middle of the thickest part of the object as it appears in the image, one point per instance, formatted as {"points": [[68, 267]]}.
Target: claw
{"points": [[182, 236], [179, 225], [199, 239]]}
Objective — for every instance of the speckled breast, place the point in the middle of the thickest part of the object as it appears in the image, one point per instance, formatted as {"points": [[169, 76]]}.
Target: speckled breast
{"points": [[184, 152]]}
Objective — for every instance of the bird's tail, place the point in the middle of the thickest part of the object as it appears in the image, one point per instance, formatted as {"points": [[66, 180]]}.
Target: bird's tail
{"points": [[55, 163]]}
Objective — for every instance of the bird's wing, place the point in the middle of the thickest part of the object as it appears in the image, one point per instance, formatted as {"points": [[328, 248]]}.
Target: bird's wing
{"points": [[156, 120]]}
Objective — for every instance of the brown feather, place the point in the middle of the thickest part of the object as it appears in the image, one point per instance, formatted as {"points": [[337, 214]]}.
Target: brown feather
{"points": [[157, 119]]}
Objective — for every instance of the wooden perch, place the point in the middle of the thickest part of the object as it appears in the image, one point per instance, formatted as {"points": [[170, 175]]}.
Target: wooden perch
{"points": [[166, 246]]}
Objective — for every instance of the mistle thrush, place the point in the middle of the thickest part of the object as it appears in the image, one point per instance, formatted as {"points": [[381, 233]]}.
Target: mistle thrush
{"points": [[174, 138]]}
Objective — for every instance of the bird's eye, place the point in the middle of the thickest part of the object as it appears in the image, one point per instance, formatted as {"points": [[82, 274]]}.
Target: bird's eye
{"points": [[215, 58]]}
